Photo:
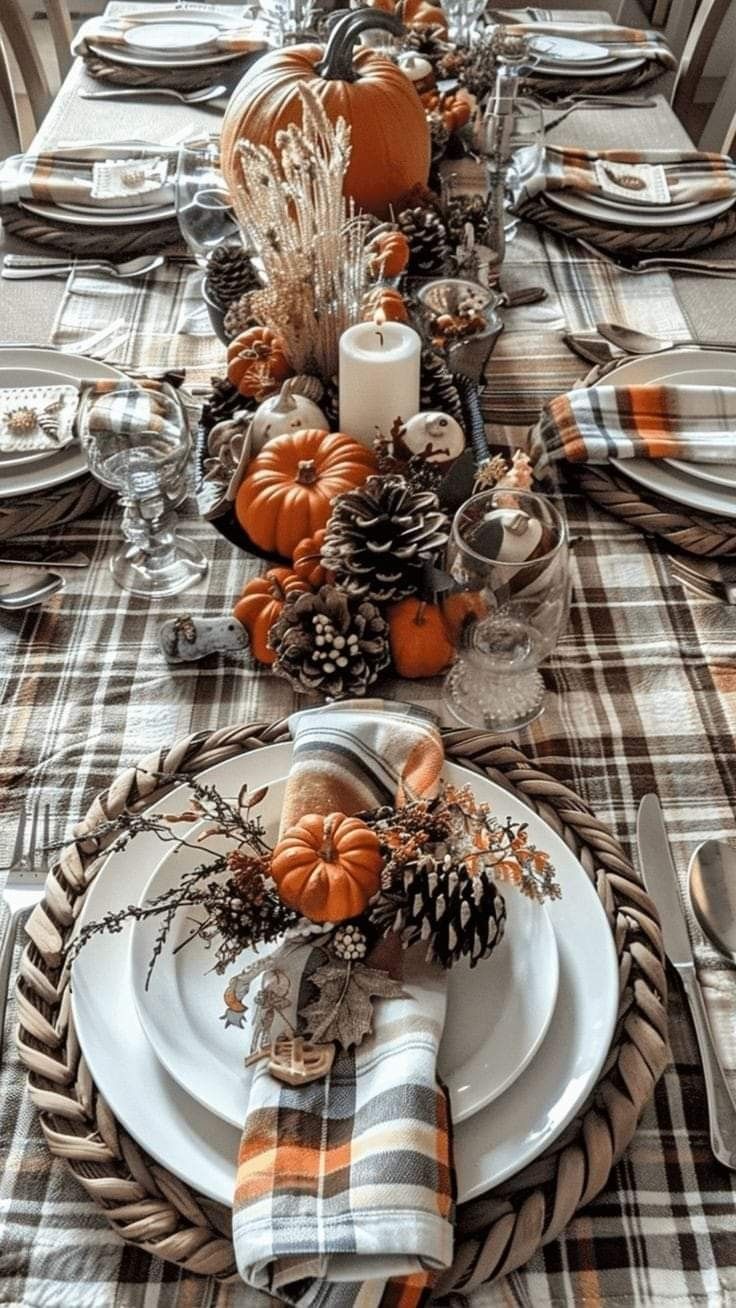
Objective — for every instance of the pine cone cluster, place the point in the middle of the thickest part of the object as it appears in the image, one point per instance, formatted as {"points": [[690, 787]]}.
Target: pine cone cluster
{"points": [[457, 912], [438, 392], [429, 41], [230, 273], [476, 68], [239, 316], [439, 135], [221, 403], [380, 536], [330, 642], [427, 237], [464, 209], [246, 910]]}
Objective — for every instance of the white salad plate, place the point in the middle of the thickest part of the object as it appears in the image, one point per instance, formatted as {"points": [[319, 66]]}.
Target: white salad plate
{"points": [[591, 206], [566, 49], [484, 1048], [49, 368], [101, 217], [201, 1148], [706, 486], [10, 378], [167, 37], [555, 67]]}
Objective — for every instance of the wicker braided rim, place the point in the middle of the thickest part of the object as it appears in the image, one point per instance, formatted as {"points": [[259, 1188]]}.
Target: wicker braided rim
{"points": [[178, 79], [548, 88], [138, 238], [152, 1209], [26, 514], [618, 239]]}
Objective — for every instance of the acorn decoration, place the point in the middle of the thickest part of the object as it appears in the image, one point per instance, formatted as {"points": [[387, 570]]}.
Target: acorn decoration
{"points": [[230, 273], [330, 643], [437, 437], [427, 237], [380, 537], [291, 410]]}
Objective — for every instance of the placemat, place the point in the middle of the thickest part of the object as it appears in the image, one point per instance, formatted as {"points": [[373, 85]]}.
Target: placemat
{"points": [[139, 238], [43, 509], [151, 1208], [178, 79], [620, 240]]}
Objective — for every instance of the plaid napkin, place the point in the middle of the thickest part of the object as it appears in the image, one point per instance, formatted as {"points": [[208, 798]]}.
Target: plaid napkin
{"points": [[690, 176], [344, 1191], [145, 173], [624, 42], [111, 31], [594, 423]]}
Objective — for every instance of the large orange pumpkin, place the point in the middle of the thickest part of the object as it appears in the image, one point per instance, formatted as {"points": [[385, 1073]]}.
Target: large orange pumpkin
{"points": [[261, 603], [289, 487], [390, 135], [327, 867]]}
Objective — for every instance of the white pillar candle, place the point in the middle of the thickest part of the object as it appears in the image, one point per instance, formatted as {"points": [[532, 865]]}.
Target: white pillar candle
{"points": [[378, 379]]}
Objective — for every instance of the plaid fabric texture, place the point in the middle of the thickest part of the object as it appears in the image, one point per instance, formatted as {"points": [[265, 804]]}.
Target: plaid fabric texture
{"points": [[349, 1179], [692, 177], [592, 425], [66, 176], [621, 41]]}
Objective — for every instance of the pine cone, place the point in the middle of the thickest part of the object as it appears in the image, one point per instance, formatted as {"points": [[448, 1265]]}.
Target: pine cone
{"points": [[247, 911], [330, 643], [427, 237], [458, 913], [239, 316], [464, 209], [381, 535], [230, 273], [428, 41], [330, 403], [439, 135], [479, 69], [222, 403], [438, 392]]}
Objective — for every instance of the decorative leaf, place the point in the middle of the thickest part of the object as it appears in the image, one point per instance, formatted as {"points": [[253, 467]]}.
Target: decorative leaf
{"points": [[343, 1010], [247, 802]]}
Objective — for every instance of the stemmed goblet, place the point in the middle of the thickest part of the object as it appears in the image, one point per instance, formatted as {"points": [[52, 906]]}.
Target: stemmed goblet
{"points": [[203, 204]]}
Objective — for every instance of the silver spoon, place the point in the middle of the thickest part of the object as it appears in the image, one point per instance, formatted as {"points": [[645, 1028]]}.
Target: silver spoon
{"points": [[632, 341], [30, 592], [712, 884]]}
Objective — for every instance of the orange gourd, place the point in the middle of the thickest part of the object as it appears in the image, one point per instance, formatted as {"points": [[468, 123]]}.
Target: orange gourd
{"points": [[454, 107], [308, 560], [390, 137], [419, 640], [289, 487], [460, 611], [261, 603], [256, 362], [327, 867], [389, 254], [384, 304], [420, 13]]}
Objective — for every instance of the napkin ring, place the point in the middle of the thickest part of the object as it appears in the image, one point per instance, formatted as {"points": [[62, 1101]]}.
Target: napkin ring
{"points": [[295, 1061]]}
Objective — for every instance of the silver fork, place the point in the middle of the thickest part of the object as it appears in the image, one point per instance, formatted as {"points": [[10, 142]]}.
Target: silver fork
{"points": [[721, 587], [725, 268], [26, 268], [201, 96], [24, 887]]}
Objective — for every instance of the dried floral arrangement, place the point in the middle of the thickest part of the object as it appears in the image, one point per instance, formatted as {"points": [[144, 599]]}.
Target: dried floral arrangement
{"points": [[429, 872]]}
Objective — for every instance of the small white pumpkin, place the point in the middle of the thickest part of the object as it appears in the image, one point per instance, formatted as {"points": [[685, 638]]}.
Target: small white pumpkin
{"points": [[437, 437], [283, 413], [418, 70]]}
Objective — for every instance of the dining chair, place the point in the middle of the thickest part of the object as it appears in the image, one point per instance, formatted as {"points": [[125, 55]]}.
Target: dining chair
{"points": [[17, 34], [708, 34], [9, 127]]}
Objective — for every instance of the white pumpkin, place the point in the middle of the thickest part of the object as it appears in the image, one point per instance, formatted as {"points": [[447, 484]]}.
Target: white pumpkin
{"points": [[283, 413], [437, 437]]}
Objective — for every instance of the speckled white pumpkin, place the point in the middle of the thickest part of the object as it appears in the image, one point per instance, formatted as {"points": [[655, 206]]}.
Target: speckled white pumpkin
{"points": [[283, 413], [437, 437]]}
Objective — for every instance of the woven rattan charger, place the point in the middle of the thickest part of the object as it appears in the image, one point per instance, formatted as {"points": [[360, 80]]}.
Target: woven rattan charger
{"points": [[152, 1209]]}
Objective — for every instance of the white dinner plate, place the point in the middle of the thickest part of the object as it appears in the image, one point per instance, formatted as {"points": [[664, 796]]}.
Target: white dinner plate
{"points": [[82, 217], [489, 1146], [171, 37], [28, 377], [484, 1048], [118, 55], [50, 366], [556, 68], [707, 486], [567, 50], [665, 216]]}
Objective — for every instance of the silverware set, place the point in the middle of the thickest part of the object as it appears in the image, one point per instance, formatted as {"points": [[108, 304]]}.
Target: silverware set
{"points": [[725, 268], [202, 96], [611, 341], [24, 267], [718, 582]]}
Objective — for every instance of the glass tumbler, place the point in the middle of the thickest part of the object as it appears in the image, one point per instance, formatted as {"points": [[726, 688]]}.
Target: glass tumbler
{"points": [[203, 204], [138, 442], [512, 136], [508, 559]]}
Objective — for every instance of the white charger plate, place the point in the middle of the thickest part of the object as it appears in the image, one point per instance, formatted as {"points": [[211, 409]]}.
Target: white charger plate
{"points": [[485, 1048], [556, 67], [50, 367], [706, 486], [665, 216], [491, 1145]]}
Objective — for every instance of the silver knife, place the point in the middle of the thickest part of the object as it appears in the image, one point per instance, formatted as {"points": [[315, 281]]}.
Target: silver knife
{"points": [[660, 879]]}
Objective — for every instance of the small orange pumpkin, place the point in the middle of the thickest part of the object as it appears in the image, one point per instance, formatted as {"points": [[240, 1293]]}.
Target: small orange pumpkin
{"points": [[454, 107], [389, 254], [327, 867], [288, 490], [308, 560], [384, 304], [420, 13], [418, 637], [256, 362], [261, 603]]}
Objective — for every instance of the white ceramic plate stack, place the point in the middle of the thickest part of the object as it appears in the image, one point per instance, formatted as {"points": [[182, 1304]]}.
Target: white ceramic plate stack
{"points": [[22, 474], [526, 1036], [168, 37], [562, 53], [160, 207], [702, 486]]}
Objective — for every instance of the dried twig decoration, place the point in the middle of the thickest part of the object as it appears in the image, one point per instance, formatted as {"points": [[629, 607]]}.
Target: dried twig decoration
{"points": [[290, 205]]}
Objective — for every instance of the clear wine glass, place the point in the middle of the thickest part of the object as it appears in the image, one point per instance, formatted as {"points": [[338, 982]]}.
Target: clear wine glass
{"points": [[138, 442], [462, 17], [203, 203], [508, 558], [512, 136]]}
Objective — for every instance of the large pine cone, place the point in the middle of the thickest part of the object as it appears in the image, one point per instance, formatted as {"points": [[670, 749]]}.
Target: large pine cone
{"points": [[438, 392], [230, 274], [330, 643], [457, 912], [427, 237], [380, 537]]}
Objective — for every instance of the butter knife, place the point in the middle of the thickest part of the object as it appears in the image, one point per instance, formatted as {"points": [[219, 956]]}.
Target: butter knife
{"points": [[660, 879]]}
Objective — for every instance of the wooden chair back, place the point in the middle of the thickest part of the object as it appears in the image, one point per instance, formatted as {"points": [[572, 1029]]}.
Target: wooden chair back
{"points": [[703, 36]]}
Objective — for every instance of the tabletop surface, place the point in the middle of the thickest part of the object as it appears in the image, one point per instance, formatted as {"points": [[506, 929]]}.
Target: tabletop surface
{"points": [[641, 695]]}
